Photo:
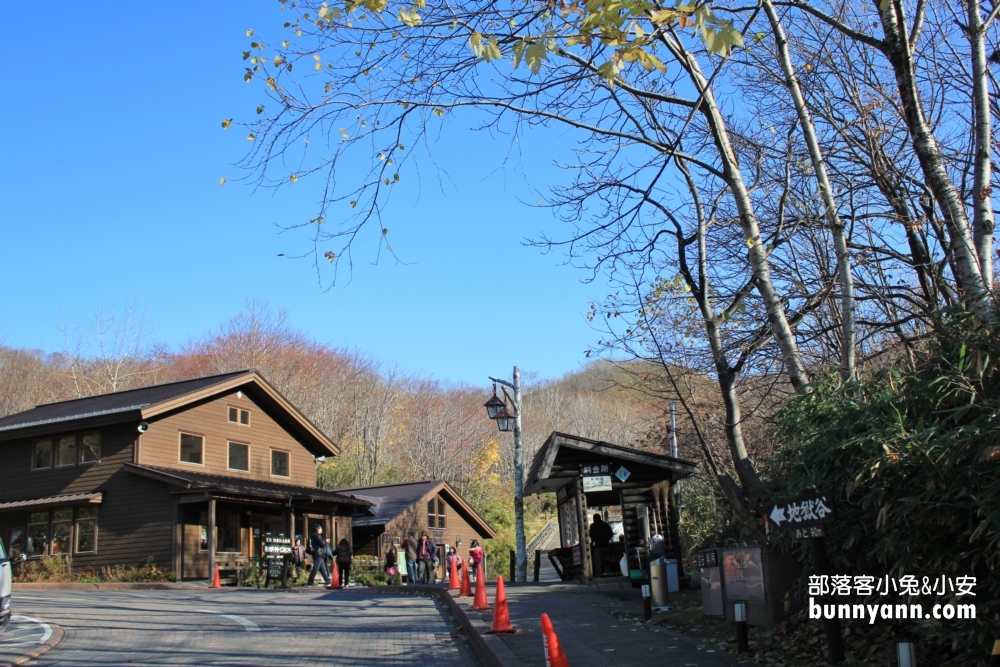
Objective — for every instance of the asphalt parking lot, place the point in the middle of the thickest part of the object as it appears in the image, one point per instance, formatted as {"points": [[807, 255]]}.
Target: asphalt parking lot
{"points": [[237, 627]]}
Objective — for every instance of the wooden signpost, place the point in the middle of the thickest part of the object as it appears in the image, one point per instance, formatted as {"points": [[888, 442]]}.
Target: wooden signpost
{"points": [[805, 516]]}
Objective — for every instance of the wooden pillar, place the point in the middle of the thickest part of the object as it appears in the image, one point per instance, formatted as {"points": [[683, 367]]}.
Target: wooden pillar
{"points": [[584, 535], [211, 537], [178, 556], [291, 524]]}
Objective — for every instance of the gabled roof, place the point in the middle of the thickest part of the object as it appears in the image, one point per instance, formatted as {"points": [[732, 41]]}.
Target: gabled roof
{"points": [[240, 488], [130, 400], [159, 399], [391, 500], [545, 458]]}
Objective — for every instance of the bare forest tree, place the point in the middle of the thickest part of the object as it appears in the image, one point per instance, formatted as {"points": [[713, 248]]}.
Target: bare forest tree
{"points": [[809, 199], [114, 354]]}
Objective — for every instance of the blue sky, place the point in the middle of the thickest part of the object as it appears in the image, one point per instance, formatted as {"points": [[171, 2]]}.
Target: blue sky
{"points": [[109, 190]]}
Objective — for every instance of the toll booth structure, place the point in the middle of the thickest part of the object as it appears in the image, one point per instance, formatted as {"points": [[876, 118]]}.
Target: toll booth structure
{"points": [[590, 476]]}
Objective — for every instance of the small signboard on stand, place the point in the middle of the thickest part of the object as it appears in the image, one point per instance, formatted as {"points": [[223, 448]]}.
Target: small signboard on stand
{"points": [[277, 551]]}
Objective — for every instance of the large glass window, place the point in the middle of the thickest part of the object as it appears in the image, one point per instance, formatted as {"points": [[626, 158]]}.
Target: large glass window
{"points": [[62, 528], [228, 530], [41, 456], [38, 533], [239, 457], [441, 519], [279, 463], [16, 541], [66, 450], [90, 447], [431, 514], [192, 448], [86, 529]]}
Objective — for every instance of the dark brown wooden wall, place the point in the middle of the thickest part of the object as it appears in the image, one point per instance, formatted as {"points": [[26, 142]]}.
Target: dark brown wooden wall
{"points": [[160, 445], [135, 519]]}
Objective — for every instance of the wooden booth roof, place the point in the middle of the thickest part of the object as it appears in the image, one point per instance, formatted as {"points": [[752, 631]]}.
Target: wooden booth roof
{"points": [[391, 500], [239, 489], [162, 399], [557, 462]]}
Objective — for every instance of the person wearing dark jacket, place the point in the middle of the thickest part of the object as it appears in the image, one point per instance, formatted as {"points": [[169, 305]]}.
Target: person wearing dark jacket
{"points": [[317, 549], [600, 539], [343, 555], [411, 559]]}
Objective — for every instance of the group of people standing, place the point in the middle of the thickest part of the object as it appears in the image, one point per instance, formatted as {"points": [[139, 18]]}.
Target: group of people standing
{"points": [[323, 554], [422, 558]]}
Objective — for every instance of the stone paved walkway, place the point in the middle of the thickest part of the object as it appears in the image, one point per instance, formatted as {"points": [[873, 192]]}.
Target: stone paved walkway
{"points": [[247, 627], [590, 635]]}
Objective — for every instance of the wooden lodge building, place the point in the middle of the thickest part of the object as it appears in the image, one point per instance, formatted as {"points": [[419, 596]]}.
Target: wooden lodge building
{"points": [[589, 476], [192, 473], [431, 506]]}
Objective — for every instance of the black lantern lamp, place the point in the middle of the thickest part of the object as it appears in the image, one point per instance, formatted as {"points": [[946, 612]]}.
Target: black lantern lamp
{"points": [[494, 405], [505, 420]]}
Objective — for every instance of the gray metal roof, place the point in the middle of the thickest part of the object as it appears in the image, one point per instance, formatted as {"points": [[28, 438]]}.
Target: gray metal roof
{"points": [[236, 486], [106, 404], [66, 499], [388, 500]]}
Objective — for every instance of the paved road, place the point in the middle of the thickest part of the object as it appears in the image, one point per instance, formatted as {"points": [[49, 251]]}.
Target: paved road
{"points": [[246, 627], [22, 636]]}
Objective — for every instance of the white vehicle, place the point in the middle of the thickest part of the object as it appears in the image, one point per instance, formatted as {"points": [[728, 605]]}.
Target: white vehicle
{"points": [[6, 577]]}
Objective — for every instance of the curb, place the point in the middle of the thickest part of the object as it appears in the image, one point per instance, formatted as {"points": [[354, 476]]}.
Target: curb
{"points": [[41, 649], [57, 586], [490, 649]]}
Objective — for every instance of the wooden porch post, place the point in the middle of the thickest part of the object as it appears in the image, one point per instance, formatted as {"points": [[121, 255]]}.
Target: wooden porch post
{"points": [[584, 535], [211, 538]]}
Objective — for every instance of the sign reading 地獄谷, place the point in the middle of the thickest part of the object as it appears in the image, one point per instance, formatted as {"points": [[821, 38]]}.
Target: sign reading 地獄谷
{"points": [[810, 510]]}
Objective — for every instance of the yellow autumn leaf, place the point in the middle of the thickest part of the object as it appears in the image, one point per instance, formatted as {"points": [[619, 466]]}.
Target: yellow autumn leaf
{"points": [[226, 122], [293, 178], [222, 181]]}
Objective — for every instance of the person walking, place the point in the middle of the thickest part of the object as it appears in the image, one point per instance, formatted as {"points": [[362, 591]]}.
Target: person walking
{"points": [[475, 558], [343, 555], [600, 539], [411, 558], [318, 549]]}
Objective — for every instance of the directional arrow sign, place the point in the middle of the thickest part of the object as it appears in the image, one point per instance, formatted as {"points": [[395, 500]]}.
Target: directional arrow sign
{"points": [[811, 510]]}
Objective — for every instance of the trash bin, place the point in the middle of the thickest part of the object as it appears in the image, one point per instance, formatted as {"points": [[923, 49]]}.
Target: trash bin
{"points": [[673, 582], [658, 583]]}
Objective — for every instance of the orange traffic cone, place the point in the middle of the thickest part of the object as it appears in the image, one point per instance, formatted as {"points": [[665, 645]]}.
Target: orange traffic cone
{"points": [[466, 585], [480, 603], [335, 579], [216, 580], [501, 615], [453, 576], [554, 656]]}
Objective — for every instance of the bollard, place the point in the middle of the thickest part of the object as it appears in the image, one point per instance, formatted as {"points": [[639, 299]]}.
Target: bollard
{"points": [[647, 603], [742, 627], [513, 566], [906, 653], [995, 656], [538, 563]]}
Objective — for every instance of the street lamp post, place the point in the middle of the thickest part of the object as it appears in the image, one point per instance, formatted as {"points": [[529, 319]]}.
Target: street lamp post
{"points": [[507, 421]]}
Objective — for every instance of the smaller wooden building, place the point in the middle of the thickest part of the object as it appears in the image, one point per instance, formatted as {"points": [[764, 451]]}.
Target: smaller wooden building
{"points": [[433, 506], [590, 476]]}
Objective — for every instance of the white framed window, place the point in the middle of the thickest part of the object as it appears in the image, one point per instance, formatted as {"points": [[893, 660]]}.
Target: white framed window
{"points": [[239, 416], [239, 457], [86, 530], [279, 463], [192, 449]]}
